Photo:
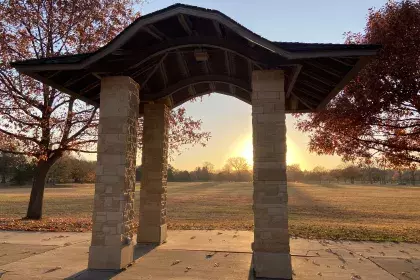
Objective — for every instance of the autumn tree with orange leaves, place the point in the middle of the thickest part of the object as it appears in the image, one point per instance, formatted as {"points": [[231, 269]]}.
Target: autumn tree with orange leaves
{"points": [[377, 116], [39, 121]]}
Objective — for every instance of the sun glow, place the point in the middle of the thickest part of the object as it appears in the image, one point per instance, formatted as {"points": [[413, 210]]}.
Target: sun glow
{"points": [[244, 149]]}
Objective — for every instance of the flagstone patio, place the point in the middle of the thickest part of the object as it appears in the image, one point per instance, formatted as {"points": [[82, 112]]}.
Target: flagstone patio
{"points": [[203, 255]]}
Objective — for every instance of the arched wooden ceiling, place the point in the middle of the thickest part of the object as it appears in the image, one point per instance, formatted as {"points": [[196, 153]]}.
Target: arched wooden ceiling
{"points": [[183, 52]]}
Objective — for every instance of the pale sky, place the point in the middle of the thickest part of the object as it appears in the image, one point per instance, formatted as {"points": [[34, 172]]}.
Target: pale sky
{"points": [[229, 119]]}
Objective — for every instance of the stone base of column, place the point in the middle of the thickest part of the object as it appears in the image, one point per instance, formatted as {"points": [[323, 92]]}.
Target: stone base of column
{"points": [[152, 234], [272, 265], [110, 257]]}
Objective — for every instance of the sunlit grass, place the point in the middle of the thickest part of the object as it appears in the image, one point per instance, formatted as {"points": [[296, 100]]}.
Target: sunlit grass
{"points": [[315, 211]]}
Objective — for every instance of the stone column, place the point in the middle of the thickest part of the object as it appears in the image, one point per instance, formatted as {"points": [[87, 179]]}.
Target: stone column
{"points": [[152, 220], [271, 252], [113, 213]]}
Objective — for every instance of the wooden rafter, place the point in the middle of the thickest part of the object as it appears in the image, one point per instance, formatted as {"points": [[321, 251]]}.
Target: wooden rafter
{"points": [[324, 68], [313, 87], [308, 93], [292, 80], [74, 80], [341, 61], [163, 74], [191, 81], [185, 70], [303, 101], [152, 30], [317, 78], [156, 67], [218, 29], [185, 23]]}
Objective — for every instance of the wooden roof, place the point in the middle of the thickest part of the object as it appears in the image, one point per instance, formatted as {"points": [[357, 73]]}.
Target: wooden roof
{"points": [[161, 51]]}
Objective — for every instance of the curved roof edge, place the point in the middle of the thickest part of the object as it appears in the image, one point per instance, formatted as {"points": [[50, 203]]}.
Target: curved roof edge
{"points": [[284, 49]]}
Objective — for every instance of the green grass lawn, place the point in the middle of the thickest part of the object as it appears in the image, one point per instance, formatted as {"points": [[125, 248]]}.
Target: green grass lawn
{"points": [[315, 211]]}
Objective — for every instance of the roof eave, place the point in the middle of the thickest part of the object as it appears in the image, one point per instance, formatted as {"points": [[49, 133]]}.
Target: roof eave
{"points": [[340, 86]]}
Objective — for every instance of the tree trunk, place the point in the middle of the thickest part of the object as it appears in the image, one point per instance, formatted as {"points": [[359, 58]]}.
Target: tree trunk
{"points": [[37, 192], [3, 178]]}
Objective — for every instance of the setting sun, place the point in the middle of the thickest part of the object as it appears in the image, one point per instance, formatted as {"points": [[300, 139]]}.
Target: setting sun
{"points": [[243, 148]]}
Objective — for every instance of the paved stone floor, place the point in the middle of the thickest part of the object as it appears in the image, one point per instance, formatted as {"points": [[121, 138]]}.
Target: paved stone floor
{"points": [[203, 255]]}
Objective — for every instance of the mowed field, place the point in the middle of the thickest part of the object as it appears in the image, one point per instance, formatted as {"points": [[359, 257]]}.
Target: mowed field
{"points": [[332, 211]]}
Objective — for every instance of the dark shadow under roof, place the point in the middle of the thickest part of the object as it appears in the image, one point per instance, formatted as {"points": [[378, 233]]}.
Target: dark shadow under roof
{"points": [[183, 52]]}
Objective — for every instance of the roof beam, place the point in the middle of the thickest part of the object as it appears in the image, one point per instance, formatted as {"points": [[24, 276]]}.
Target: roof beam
{"points": [[163, 74], [212, 87], [90, 87], [191, 81], [250, 69], [191, 91], [207, 70], [227, 63], [229, 70], [185, 23], [296, 71], [308, 93], [185, 70], [182, 63], [53, 74], [303, 101], [74, 80], [307, 84], [324, 68], [349, 76], [153, 71], [317, 78], [152, 30], [341, 61], [216, 25], [294, 103]]}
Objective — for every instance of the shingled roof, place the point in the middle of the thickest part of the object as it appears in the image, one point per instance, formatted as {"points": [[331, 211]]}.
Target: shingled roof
{"points": [[161, 52]]}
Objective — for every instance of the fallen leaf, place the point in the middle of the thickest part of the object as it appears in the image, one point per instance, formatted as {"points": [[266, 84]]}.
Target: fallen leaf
{"points": [[175, 262], [209, 255]]}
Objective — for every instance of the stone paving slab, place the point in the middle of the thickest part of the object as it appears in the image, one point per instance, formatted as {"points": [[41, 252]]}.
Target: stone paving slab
{"points": [[43, 238], [54, 264], [332, 268], [215, 240], [384, 249], [164, 264], [13, 252], [404, 269]]}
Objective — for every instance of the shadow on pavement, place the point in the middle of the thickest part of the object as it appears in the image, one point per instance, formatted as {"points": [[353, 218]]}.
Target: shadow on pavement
{"points": [[106, 274]]}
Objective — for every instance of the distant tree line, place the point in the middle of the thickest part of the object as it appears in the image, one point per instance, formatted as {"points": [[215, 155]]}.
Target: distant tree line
{"points": [[364, 174], [19, 170]]}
